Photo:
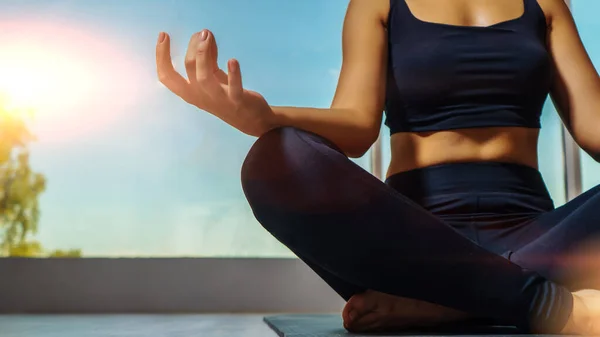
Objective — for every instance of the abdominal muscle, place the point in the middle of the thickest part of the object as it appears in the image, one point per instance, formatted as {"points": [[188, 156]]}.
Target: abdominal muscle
{"points": [[498, 144]]}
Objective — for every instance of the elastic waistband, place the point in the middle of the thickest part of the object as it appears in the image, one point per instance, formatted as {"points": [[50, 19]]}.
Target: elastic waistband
{"points": [[473, 177]]}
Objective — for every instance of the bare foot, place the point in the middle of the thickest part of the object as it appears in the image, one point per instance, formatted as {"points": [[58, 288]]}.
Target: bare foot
{"points": [[585, 319], [374, 311]]}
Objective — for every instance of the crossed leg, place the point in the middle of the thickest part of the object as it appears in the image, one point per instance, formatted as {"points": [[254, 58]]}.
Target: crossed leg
{"points": [[358, 233]]}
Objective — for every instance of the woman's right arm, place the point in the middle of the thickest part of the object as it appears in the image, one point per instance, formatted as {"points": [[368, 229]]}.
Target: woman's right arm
{"points": [[352, 122], [354, 119]]}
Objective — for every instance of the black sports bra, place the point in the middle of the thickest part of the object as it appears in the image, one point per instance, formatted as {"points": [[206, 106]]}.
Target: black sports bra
{"points": [[443, 77]]}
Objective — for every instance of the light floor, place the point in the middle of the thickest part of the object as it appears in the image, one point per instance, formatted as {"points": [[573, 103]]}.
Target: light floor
{"points": [[134, 326]]}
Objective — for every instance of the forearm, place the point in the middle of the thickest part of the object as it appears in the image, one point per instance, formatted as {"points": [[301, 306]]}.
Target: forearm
{"points": [[348, 129]]}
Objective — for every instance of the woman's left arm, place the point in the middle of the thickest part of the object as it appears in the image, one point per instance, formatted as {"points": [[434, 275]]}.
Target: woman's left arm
{"points": [[576, 88]]}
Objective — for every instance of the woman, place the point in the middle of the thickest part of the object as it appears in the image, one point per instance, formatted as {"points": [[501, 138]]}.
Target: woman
{"points": [[463, 226]]}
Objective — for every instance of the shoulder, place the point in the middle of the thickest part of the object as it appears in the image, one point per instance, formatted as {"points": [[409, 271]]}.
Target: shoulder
{"points": [[555, 10], [375, 9]]}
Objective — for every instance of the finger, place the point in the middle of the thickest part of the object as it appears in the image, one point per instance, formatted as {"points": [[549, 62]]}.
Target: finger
{"points": [[206, 65], [190, 56], [167, 74], [236, 89], [214, 50]]}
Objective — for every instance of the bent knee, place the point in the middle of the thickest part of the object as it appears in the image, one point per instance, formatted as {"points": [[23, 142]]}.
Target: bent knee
{"points": [[283, 162], [270, 153], [283, 152]]}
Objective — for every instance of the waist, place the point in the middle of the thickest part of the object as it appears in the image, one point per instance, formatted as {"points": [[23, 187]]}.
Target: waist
{"points": [[413, 150], [474, 178]]}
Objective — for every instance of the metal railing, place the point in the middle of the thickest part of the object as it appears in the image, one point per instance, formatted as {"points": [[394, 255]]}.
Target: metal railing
{"points": [[571, 160], [377, 160]]}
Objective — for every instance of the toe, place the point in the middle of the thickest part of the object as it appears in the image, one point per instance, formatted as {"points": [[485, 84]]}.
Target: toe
{"points": [[346, 311], [367, 322], [354, 308]]}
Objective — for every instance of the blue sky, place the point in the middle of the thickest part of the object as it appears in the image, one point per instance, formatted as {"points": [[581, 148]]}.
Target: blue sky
{"points": [[150, 175]]}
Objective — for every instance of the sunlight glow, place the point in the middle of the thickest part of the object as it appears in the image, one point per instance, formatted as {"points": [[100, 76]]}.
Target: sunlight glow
{"points": [[74, 82], [41, 79]]}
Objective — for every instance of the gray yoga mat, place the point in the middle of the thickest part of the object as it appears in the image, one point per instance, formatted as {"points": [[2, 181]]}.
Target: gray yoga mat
{"points": [[330, 325]]}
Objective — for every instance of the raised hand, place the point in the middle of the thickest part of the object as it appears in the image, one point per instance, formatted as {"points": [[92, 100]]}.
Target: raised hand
{"points": [[210, 88]]}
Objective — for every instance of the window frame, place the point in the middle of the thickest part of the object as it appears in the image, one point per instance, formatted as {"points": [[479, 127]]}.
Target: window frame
{"points": [[571, 159]]}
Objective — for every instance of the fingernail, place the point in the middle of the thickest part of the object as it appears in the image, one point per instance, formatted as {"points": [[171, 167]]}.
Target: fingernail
{"points": [[352, 314], [161, 37], [203, 35]]}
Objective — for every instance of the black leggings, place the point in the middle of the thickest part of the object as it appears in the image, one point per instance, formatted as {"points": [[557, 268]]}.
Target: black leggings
{"points": [[479, 237]]}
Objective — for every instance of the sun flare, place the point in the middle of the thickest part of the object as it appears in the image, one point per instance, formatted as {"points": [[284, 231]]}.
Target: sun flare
{"points": [[40, 80], [68, 82]]}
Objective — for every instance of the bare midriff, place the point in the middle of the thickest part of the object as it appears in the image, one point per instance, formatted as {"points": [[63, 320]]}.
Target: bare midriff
{"points": [[412, 150]]}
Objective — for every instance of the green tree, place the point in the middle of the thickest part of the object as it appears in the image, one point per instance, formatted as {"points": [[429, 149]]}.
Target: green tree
{"points": [[66, 253], [25, 249], [20, 188]]}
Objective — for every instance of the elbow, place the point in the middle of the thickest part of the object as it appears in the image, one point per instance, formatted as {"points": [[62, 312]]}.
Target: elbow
{"points": [[588, 141], [359, 146], [593, 150], [356, 152]]}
